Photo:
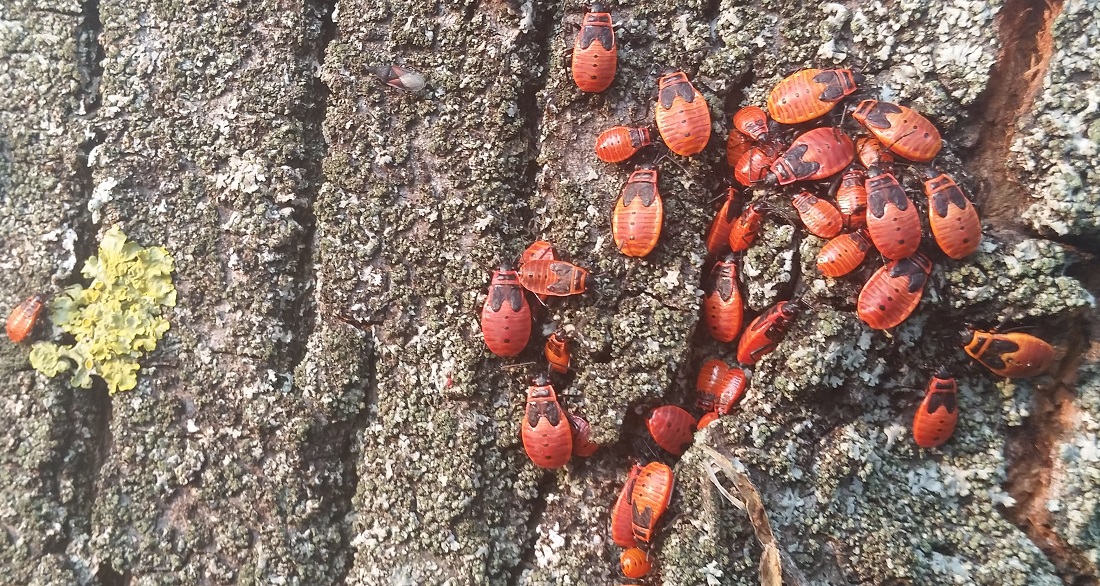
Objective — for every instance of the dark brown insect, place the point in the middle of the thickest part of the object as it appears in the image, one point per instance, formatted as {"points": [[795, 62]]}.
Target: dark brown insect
{"points": [[22, 319], [595, 53]]}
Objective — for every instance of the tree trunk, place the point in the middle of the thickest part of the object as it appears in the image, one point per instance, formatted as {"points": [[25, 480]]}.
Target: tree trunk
{"points": [[323, 409]]}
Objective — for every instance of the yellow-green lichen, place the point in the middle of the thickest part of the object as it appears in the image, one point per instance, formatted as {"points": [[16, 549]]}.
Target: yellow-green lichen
{"points": [[115, 320]]}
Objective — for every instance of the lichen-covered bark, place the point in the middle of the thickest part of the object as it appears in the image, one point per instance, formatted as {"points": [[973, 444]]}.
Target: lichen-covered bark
{"points": [[324, 411]]}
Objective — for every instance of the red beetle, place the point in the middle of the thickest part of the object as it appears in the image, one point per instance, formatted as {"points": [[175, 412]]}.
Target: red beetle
{"points": [[619, 143], [683, 118], [955, 223], [765, 332], [820, 217], [903, 131], [938, 412], [505, 318], [810, 93], [733, 386], [723, 308], [553, 277], [595, 53], [22, 319], [707, 419], [754, 164], [736, 145], [650, 497], [557, 352], [815, 155], [1011, 355], [893, 292], [539, 250], [843, 254], [892, 220], [671, 427], [718, 233], [872, 154], [545, 430], [635, 563], [622, 532], [747, 227], [707, 384], [851, 198], [752, 121], [639, 214], [583, 446]]}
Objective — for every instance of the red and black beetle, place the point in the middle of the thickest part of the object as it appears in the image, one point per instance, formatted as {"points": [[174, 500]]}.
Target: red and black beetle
{"points": [[505, 318], [545, 430], [595, 53], [935, 419], [893, 292], [765, 332]]}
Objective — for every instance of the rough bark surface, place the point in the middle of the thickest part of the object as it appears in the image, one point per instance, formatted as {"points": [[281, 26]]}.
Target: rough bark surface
{"points": [[323, 410]]}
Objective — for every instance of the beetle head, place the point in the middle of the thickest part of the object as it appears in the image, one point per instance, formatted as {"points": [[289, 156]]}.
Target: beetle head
{"points": [[541, 379], [942, 372], [874, 171], [597, 7]]}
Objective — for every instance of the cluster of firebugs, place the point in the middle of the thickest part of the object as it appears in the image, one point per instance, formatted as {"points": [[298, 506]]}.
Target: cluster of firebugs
{"points": [[773, 146], [871, 211], [786, 143]]}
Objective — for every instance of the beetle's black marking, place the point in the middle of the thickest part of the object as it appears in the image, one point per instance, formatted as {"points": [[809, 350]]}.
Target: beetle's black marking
{"points": [[604, 34]]}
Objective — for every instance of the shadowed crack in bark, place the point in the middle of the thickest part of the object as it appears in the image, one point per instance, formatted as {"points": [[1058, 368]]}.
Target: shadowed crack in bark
{"points": [[1032, 453], [1024, 28], [531, 535]]}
